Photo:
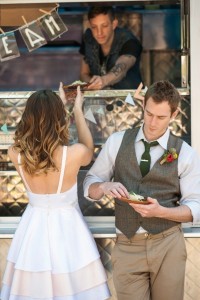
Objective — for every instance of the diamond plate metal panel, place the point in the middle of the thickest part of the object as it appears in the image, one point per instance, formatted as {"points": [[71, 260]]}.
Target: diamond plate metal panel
{"points": [[192, 280], [11, 111], [105, 246], [13, 198], [4, 246], [111, 113]]}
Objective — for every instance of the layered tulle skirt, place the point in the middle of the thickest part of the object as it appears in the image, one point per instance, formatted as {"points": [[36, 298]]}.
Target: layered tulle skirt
{"points": [[53, 255]]}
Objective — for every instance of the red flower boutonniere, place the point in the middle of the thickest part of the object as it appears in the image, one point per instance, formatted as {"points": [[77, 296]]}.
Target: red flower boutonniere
{"points": [[169, 156]]}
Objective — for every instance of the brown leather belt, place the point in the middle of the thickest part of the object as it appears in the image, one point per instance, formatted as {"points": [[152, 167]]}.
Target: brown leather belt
{"points": [[146, 235]]}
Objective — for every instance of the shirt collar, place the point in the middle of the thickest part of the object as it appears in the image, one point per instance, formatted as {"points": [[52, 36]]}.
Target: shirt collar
{"points": [[163, 140]]}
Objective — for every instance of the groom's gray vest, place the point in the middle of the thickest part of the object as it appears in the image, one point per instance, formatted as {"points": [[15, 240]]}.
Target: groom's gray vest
{"points": [[161, 183]]}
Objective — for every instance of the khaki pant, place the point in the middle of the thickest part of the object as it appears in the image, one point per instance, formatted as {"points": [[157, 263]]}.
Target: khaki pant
{"points": [[150, 267]]}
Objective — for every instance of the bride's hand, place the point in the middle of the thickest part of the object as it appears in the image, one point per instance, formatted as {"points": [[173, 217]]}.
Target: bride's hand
{"points": [[79, 99], [62, 93]]}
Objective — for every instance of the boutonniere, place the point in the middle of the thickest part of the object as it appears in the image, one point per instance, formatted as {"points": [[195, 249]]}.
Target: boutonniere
{"points": [[169, 156]]}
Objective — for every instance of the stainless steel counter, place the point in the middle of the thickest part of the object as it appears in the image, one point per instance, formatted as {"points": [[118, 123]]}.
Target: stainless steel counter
{"points": [[101, 227]]}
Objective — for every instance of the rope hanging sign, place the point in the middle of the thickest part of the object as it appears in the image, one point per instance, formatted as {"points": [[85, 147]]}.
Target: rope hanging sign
{"points": [[32, 33]]}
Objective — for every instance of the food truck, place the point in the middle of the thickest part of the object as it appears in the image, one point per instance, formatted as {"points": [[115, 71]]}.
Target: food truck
{"points": [[169, 33]]}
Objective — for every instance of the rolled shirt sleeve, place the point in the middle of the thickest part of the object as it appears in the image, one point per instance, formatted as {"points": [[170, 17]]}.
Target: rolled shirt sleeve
{"points": [[103, 168], [189, 174]]}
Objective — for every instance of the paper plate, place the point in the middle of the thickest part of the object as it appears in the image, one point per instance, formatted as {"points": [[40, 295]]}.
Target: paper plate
{"points": [[144, 202]]}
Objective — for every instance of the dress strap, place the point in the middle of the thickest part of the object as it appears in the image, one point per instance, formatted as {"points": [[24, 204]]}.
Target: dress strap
{"points": [[22, 173], [62, 171]]}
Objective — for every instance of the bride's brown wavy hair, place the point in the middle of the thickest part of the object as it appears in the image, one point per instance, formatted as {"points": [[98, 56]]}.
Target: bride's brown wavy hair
{"points": [[42, 128]]}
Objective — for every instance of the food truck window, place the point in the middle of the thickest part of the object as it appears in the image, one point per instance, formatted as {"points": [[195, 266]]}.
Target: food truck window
{"points": [[158, 26]]}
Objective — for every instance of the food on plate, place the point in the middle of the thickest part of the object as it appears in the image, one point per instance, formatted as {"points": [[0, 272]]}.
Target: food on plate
{"points": [[135, 198], [71, 89]]}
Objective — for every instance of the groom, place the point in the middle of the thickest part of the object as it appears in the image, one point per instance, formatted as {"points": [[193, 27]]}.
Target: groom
{"points": [[149, 255]]}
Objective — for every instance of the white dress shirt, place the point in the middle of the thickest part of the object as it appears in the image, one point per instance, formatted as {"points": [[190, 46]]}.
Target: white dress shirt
{"points": [[188, 167]]}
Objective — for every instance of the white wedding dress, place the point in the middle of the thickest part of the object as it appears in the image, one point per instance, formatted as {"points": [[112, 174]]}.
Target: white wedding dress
{"points": [[53, 255]]}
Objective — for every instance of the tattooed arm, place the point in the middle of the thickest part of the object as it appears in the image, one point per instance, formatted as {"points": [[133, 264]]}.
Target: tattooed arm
{"points": [[122, 65]]}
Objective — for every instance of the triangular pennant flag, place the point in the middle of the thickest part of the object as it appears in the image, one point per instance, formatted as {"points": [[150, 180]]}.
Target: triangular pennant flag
{"points": [[89, 116], [100, 110], [53, 25], [129, 99], [8, 46], [32, 36], [4, 128]]}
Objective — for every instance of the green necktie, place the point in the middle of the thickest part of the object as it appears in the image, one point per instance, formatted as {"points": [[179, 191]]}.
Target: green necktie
{"points": [[146, 158]]}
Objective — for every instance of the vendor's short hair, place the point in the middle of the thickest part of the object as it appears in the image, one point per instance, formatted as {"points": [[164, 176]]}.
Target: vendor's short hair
{"points": [[99, 10]]}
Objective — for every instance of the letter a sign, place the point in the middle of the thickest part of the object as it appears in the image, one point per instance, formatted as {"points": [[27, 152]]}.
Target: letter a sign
{"points": [[53, 25], [32, 36]]}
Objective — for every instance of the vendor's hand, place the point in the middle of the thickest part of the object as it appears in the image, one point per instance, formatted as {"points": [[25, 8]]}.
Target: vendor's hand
{"points": [[148, 211], [62, 93], [114, 189], [96, 83]]}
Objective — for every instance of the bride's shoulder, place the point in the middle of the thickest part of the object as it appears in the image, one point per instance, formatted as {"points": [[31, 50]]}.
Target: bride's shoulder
{"points": [[76, 147]]}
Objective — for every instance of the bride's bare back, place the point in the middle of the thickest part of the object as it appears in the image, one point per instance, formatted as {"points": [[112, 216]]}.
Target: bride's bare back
{"points": [[77, 156]]}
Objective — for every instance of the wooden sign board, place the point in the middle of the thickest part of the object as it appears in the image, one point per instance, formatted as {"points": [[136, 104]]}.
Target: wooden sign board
{"points": [[11, 15]]}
